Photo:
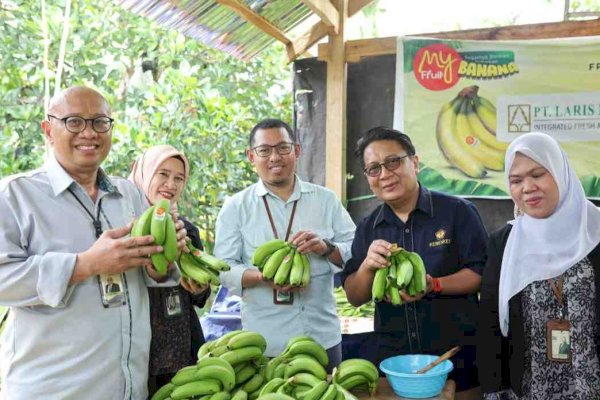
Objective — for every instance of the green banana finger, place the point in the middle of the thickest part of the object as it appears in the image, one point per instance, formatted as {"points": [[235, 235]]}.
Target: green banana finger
{"points": [[274, 261], [237, 356], [197, 388], [247, 338], [141, 226], [164, 392], [283, 272], [265, 250], [223, 395], [159, 221], [253, 384], [271, 386], [170, 249]]}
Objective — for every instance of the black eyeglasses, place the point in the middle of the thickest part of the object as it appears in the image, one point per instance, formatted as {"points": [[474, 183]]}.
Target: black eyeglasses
{"points": [[391, 164], [265, 150], [77, 124]]}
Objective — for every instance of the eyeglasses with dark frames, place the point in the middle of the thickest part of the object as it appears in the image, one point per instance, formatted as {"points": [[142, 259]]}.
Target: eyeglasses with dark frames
{"points": [[391, 164], [266, 150], [75, 124]]}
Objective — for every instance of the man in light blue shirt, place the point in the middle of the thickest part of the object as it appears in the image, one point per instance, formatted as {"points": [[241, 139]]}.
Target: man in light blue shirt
{"points": [[64, 234], [320, 227]]}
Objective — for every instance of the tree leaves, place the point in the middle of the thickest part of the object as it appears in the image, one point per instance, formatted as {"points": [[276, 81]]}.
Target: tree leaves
{"points": [[201, 101]]}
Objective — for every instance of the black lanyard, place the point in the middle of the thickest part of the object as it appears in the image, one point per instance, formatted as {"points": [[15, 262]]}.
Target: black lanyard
{"points": [[95, 221], [289, 227]]}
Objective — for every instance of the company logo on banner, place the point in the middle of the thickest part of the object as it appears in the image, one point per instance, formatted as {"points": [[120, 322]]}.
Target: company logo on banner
{"points": [[569, 117], [462, 102], [440, 67]]}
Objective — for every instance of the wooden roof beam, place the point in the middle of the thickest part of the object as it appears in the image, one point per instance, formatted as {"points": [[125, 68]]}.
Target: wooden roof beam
{"points": [[306, 40], [255, 19], [355, 49], [355, 6], [326, 11]]}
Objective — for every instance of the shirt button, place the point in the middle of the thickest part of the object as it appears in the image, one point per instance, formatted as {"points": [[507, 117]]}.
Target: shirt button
{"points": [[407, 230], [414, 335]]}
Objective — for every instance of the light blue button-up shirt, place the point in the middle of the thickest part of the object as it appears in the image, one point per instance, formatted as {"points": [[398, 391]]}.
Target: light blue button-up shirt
{"points": [[59, 341], [243, 225]]}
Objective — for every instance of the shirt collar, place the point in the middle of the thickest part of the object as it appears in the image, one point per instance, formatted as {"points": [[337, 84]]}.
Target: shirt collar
{"points": [[299, 188], [424, 204], [60, 180]]}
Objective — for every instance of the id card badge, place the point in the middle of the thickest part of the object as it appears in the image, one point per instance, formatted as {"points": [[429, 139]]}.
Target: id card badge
{"points": [[172, 304], [558, 340], [284, 298], [112, 290]]}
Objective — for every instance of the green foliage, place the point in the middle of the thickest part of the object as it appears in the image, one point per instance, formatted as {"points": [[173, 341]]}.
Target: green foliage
{"points": [[200, 100], [433, 180]]}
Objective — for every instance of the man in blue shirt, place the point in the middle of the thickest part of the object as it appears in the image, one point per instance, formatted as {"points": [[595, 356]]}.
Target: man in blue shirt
{"points": [[446, 231], [309, 216]]}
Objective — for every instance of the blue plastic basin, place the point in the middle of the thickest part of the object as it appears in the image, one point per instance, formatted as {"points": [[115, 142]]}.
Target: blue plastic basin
{"points": [[400, 373]]}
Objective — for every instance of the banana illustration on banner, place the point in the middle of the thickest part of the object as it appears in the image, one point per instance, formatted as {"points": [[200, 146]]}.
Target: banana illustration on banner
{"points": [[466, 134]]}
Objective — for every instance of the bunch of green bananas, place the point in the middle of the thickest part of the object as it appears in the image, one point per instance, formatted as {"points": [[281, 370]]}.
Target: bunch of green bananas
{"points": [[466, 134], [213, 378], [157, 221], [280, 262], [345, 309], [302, 354], [233, 367], [201, 266], [405, 272], [356, 373]]}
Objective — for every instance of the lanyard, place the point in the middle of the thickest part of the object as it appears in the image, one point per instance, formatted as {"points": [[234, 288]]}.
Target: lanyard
{"points": [[557, 289], [289, 228], [95, 221]]}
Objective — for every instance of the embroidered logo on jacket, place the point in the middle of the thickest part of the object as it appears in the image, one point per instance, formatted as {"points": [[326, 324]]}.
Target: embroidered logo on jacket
{"points": [[440, 235]]}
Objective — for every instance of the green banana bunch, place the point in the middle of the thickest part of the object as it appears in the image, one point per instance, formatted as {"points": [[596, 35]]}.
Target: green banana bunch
{"points": [[356, 373], [406, 272], [157, 221], [345, 309], [280, 262], [201, 266], [466, 134], [305, 346]]}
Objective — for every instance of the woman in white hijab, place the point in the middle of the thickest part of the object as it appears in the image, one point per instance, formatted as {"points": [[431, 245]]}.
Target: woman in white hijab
{"points": [[539, 331]]}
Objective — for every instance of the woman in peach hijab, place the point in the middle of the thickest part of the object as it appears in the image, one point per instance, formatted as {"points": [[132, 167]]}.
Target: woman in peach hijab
{"points": [[162, 173]]}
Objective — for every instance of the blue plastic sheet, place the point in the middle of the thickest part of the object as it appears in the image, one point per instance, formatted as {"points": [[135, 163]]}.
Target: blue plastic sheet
{"points": [[224, 315]]}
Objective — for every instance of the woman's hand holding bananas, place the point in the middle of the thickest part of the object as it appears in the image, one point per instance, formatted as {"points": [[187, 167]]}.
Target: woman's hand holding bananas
{"points": [[192, 286]]}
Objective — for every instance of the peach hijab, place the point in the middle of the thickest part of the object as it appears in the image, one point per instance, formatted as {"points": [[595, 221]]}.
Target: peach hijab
{"points": [[150, 161]]}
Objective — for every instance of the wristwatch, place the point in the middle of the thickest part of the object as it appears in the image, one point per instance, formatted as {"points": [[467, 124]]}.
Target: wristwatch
{"points": [[330, 247]]}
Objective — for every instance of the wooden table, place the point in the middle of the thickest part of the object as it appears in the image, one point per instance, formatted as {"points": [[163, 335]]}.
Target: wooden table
{"points": [[384, 392]]}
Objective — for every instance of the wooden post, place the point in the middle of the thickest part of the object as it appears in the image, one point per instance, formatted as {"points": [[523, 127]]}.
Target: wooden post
{"points": [[335, 125]]}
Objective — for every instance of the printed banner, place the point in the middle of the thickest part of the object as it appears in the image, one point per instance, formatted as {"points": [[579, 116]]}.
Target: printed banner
{"points": [[463, 101]]}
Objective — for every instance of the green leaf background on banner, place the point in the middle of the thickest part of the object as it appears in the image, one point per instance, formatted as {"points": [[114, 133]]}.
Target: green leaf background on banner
{"points": [[591, 186], [412, 46], [433, 180]]}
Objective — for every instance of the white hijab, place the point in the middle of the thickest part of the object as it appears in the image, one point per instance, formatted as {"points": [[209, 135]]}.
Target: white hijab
{"points": [[539, 249]]}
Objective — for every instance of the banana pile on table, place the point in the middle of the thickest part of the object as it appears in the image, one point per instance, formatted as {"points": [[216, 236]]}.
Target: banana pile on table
{"points": [[233, 367], [345, 309], [201, 266], [281, 263], [406, 272], [157, 221]]}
